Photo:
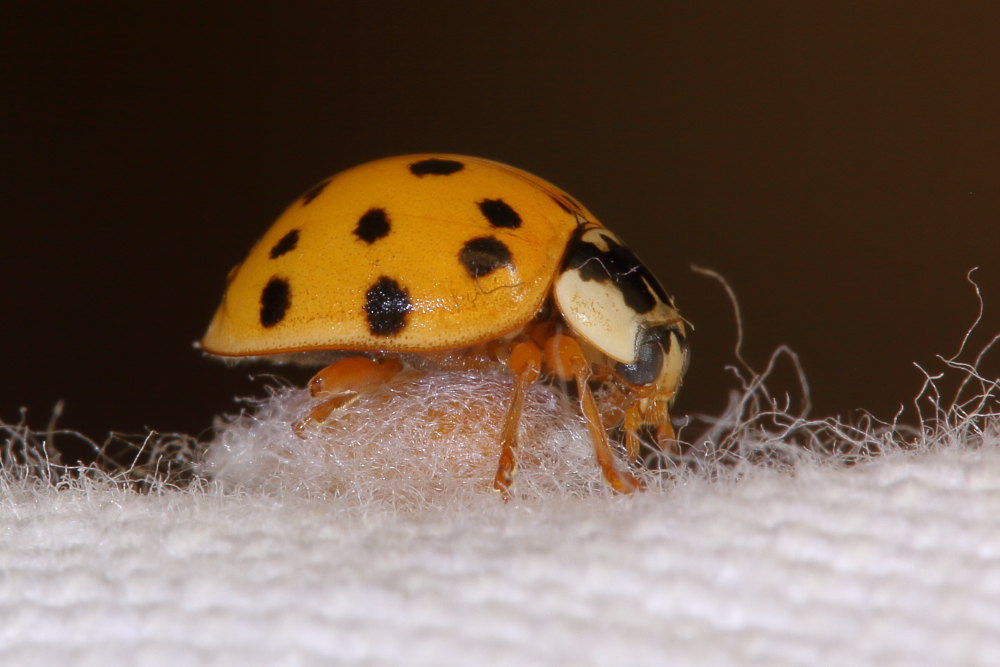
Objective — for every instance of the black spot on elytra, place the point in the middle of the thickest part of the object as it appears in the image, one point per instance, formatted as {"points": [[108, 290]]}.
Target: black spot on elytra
{"points": [[482, 256], [499, 213], [372, 226], [314, 191], [640, 288], [286, 244], [274, 301], [436, 166], [387, 304]]}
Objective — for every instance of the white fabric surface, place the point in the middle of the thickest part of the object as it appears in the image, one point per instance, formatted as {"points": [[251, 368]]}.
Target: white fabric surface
{"points": [[896, 562]]}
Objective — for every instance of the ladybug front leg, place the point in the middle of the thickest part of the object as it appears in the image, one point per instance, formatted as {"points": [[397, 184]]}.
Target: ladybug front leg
{"points": [[665, 436], [341, 383], [566, 358], [666, 439], [648, 408], [633, 419], [525, 362]]}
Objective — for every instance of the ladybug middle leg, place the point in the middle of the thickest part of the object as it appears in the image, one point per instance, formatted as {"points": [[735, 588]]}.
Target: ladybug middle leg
{"points": [[568, 361], [341, 383], [525, 362]]}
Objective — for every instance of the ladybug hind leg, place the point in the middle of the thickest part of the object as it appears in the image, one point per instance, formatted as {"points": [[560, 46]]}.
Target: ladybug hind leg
{"points": [[343, 382]]}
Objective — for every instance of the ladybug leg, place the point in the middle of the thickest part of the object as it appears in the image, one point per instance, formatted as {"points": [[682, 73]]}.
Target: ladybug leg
{"points": [[666, 439], [567, 360], [647, 407], [525, 362], [633, 419], [665, 436], [341, 383]]}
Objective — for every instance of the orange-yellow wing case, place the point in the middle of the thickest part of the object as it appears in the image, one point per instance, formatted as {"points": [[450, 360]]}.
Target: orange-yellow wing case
{"points": [[409, 253]]}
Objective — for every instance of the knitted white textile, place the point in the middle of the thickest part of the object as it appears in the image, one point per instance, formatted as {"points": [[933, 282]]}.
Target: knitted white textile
{"points": [[893, 562], [349, 547]]}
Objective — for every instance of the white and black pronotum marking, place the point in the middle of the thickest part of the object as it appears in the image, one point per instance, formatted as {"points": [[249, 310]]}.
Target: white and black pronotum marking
{"points": [[612, 300]]}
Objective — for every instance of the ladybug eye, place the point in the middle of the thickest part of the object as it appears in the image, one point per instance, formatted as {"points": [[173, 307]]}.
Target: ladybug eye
{"points": [[653, 346]]}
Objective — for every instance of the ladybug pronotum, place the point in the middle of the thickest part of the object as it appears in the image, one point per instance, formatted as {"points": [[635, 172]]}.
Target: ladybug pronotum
{"points": [[468, 263]]}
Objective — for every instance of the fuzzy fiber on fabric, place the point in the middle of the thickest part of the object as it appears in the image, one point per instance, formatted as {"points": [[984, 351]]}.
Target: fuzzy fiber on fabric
{"points": [[285, 560]]}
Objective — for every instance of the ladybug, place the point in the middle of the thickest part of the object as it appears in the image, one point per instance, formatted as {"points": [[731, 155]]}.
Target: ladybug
{"points": [[459, 261]]}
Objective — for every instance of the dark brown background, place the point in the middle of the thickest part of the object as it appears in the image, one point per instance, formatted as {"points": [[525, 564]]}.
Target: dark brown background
{"points": [[838, 165]]}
